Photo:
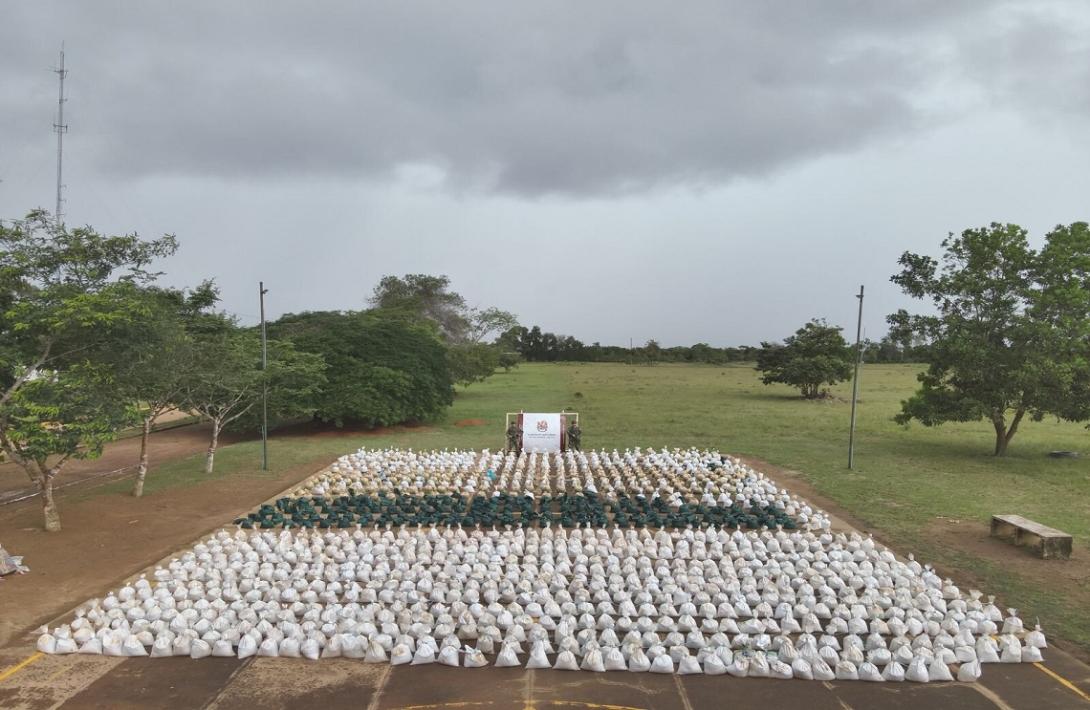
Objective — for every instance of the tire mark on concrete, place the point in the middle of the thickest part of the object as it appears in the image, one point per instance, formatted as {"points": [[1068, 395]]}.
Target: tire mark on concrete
{"points": [[382, 681]]}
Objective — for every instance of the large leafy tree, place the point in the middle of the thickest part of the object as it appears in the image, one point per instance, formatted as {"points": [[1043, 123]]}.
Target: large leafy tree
{"points": [[1010, 332], [815, 356], [382, 369], [68, 299]]}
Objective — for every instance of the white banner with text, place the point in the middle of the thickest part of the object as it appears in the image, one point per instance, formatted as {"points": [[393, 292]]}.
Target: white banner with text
{"points": [[542, 432]]}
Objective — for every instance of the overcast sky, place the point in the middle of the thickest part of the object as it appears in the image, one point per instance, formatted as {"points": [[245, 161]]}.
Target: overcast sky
{"points": [[698, 171]]}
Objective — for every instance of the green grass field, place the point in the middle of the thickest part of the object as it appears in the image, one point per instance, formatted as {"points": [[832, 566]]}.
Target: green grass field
{"points": [[905, 478]]}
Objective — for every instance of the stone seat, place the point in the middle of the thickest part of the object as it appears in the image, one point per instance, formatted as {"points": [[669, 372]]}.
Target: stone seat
{"points": [[1047, 543]]}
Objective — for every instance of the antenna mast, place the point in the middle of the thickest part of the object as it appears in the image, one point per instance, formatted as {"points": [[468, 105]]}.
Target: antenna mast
{"points": [[60, 128]]}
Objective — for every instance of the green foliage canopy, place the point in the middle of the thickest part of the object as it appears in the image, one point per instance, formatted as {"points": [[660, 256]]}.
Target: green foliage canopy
{"points": [[381, 369], [816, 355], [1010, 335]]}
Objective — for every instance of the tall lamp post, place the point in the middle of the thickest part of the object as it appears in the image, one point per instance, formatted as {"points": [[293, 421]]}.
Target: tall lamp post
{"points": [[264, 382], [855, 379]]}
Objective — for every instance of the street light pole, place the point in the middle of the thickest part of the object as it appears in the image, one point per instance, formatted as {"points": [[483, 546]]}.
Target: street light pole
{"points": [[855, 379], [264, 382]]}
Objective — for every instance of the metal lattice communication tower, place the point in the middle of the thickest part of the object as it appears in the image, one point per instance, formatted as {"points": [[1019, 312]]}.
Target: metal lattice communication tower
{"points": [[60, 128]]}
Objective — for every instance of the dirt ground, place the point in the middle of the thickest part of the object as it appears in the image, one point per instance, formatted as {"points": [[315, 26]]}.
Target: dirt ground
{"points": [[86, 560]]}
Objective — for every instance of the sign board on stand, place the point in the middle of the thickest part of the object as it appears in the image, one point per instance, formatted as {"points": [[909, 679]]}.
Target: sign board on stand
{"points": [[542, 431]]}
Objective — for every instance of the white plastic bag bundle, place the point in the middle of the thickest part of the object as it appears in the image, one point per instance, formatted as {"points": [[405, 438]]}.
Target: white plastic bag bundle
{"points": [[780, 670], [425, 653], [1012, 650], [758, 666], [846, 670], [268, 648], [132, 648], [161, 648], [400, 655], [822, 670], [1012, 624], [220, 649], [333, 648], [903, 655], [310, 649], [376, 652], [713, 665], [247, 646], [869, 672], [787, 652], [448, 656], [565, 661], [93, 647], [638, 662], [613, 660], [800, 668], [289, 648], [662, 664], [894, 672], [474, 658], [689, 666], [198, 649], [47, 644], [987, 650], [538, 658], [353, 646], [917, 671], [938, 670], [969, 672], [1030, 654], [739, 668], [854, 654], [593, 662], [677, 653], [66, 645], [1036, 638], [964, 654]]}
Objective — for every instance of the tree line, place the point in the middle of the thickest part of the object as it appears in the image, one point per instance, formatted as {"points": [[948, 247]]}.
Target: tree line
{"points": [[534, 345]]}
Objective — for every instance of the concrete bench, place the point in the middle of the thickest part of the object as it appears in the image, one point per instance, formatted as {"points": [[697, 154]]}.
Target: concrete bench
{"points": [[1046, 542]]}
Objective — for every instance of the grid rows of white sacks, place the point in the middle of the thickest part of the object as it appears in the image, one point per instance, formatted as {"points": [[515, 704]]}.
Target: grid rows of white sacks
{"points": [[776, 604], [676, 475]]}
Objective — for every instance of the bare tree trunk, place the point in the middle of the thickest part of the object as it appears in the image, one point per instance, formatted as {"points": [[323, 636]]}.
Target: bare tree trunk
{"points": [[142, 470], [1013, 427], [49, 506], [210, 457], [1001, 438]]}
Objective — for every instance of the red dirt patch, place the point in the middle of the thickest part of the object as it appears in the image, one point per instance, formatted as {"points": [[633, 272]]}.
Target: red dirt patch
{"points": [[470, 422]]}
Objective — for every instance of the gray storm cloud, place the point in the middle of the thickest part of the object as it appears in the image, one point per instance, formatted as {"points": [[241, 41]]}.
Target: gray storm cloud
{"points": [[696, 171], [556, 98]]}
